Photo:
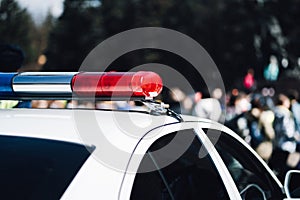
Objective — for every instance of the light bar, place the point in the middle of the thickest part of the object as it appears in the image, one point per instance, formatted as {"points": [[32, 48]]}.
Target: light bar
{"points": [[55, 85]]}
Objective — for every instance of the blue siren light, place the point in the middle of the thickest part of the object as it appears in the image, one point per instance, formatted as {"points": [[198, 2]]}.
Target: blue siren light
{"points": [[6, 80]]}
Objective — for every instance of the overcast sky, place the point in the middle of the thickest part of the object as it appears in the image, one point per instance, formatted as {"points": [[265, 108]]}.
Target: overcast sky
{"points": [[40, 8]]}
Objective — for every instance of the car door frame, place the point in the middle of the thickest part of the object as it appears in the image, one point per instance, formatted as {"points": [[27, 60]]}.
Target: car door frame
{"points": [[144, 144]]}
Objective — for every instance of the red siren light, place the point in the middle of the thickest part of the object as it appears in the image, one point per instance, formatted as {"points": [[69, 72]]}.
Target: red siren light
{"points": [[142, 84]]}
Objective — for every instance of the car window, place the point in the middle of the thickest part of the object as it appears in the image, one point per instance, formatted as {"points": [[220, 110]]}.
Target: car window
{"points": [[37, 168], [248, 173], [191, 176]]}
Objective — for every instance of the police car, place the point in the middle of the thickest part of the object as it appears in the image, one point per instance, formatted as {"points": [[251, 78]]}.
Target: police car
{"points": [[121, 154]]}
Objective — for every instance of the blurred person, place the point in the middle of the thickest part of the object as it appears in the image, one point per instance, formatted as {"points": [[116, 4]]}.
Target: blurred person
{"points": [[86, 104], [40, 104], [285, 155], [262, 134], [218, 94], [72, 104], [177, 100], [177, 97], [109, 105], [170, 98], [209, 108], [58, 104], [49, 104], [284, 125], [271, 71], [239, 119], [255, 126], [188, 105], [237, 103], [197, 96], [242, 103], [123, 105], [295, 107], [249, 81], [230, 110], [5, 104], [11, 60]]}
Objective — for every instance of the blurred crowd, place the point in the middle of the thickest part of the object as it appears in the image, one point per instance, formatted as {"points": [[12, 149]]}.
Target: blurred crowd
{"points": [[266, 120], [270, 123], [110, 105]]}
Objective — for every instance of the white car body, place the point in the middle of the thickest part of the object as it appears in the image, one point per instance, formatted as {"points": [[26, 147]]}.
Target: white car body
{"points": [[97, 179]]}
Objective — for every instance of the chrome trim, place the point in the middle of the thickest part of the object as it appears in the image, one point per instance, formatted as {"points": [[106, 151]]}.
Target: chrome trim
{"points": [[43, 83], [31, 78], [42, 88], [48, 73]]}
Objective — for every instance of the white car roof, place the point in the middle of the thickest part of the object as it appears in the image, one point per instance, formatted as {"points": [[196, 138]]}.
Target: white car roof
{"points": [[69, 125]]}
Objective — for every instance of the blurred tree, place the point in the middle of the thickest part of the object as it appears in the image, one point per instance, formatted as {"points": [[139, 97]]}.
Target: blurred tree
{"points": [[17, 27], [38, 42], [117, 16], [288, 15], [44, 30], [237, 28], [75, 33], [237, 34]]}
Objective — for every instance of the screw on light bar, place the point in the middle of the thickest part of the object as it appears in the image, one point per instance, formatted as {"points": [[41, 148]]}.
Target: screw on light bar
{"points": [[55, 85], [116, 84]]}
